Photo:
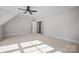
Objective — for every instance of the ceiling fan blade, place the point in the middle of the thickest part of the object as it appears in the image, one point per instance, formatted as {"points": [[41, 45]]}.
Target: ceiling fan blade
{"points": [[33, 11], [21, 9]]}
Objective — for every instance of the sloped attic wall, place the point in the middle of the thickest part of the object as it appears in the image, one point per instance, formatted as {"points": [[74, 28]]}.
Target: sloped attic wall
{"points": [[64, 24], [6, 15], [18, 24]]}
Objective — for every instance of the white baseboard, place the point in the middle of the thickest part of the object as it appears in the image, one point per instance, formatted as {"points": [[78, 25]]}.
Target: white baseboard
{"points": [[63, 38], [16, 34]]}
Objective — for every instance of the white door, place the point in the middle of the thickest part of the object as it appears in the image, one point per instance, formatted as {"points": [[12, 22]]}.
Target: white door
{"points": [[34, 26]]}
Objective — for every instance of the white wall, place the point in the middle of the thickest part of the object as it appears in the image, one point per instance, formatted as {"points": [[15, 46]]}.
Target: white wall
{"points": [[1, 32], [63, 24], [6, 15], [18, 24]]}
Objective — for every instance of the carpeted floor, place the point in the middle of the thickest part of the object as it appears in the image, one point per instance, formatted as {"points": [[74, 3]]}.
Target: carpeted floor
{"points": [[35, 43]]}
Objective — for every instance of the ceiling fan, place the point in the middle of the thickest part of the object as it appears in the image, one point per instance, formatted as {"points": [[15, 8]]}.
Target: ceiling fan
{"points": [[27, 10]]}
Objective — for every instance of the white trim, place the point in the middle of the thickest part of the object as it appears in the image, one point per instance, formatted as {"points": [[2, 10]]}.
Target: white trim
{"points": [[7, 35], [63, 38]]}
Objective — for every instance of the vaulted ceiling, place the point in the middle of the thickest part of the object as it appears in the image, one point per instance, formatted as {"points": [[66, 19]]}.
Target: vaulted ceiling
{"points": [[6, 15], [43, 11]]}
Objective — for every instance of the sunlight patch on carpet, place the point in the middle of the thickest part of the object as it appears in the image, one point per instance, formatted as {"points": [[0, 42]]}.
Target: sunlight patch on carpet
{"points": [[35, 46]]}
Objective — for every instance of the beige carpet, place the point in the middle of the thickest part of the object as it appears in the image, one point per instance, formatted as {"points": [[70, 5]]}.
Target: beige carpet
{"points": [[35, 43]]}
